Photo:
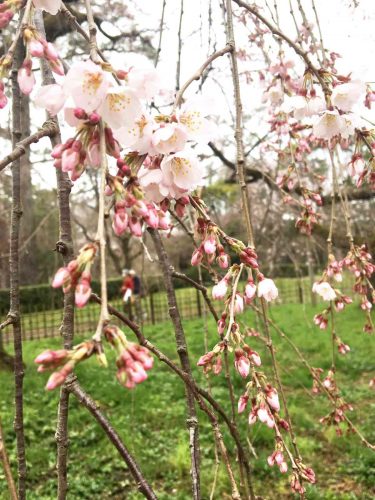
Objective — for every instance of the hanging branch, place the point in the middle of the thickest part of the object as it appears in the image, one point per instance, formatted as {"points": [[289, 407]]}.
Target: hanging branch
{"points": [[192, 421], [178, 68], [161, 28], [143, 486], [246, 206], [7, 470], [14, 271], [253, 10], [65, 247], [100, 238]]}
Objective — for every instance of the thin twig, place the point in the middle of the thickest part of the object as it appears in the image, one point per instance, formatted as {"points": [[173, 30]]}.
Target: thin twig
{"points": [[100, 237], [161, 29], [294, 46], [7, 470], [198, 74]]}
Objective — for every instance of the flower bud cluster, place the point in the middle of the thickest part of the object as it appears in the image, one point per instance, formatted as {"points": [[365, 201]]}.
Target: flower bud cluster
{"points": [[7, 10], [63, 361], [359, 262], [131, 211], [210, 248], [277, 458], [36, 46], [84, 149], [133, 360], [77, 275]]}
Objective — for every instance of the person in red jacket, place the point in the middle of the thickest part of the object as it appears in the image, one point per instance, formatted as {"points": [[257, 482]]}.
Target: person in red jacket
{"points": [[127, 287]]}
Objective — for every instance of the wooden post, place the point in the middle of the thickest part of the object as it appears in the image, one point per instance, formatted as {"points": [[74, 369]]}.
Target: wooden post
{"points": [[152, 308]]}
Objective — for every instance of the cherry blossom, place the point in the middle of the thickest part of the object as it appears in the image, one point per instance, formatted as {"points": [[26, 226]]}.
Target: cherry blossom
{"points": [[267, 289], [120, 107], [181, 172], [346, 95], [50, 6], [169, 138], [50, 97], [145, 82], [138, 135], [325, 290], [87, 84], [191, 117]]}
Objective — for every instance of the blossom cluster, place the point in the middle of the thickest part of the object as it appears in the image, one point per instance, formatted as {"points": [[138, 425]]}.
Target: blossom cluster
{"points": [[63, 361], [133, 360], [77, 275]]}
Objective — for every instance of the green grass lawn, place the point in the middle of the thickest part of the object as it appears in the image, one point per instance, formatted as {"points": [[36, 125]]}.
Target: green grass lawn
{"points": [[151, 419]]}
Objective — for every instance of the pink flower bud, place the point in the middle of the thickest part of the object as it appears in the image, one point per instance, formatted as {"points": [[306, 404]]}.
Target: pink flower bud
{"points": [[221, 324], [283, 467], [210, 245], [273, 399], [267, 289], [36, 48], [82, 294], [69, 160], [238, 304], [94, 118], [242, 403], [197, 257], [250, 290], [51, 52], [120, 222], [25, 77], [152, 218], [55, 380], [80, 113], [135, 226], [252, 416], [206, 358], [61, 276], [242, 363], [57, 151], [223, 260], [163, 221]]}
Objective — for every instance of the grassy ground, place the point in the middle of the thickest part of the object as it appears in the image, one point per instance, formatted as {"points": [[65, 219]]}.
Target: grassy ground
{"points": [[151, 420]]}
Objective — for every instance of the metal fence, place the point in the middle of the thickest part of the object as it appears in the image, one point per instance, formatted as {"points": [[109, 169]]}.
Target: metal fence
{"points": [[148, 310]]}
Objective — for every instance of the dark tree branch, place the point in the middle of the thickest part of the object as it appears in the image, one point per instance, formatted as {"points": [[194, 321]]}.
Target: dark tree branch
{"points": [[182, 350], [65, 247], [14, 269], [143, 486]]}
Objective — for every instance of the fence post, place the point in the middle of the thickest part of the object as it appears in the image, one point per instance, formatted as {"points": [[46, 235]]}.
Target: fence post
{"points": [[199, 304], [152, 308]]}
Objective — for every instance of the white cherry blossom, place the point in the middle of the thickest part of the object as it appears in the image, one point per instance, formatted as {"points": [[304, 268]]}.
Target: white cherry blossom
{"points": [[50, 6], [169, 138], [87, 84], [325, 290], [347, 95], [121, 107]]}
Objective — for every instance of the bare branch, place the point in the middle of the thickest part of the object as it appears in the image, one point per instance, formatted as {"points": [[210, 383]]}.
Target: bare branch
{"points": [[48, 129], [143, 486]]}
